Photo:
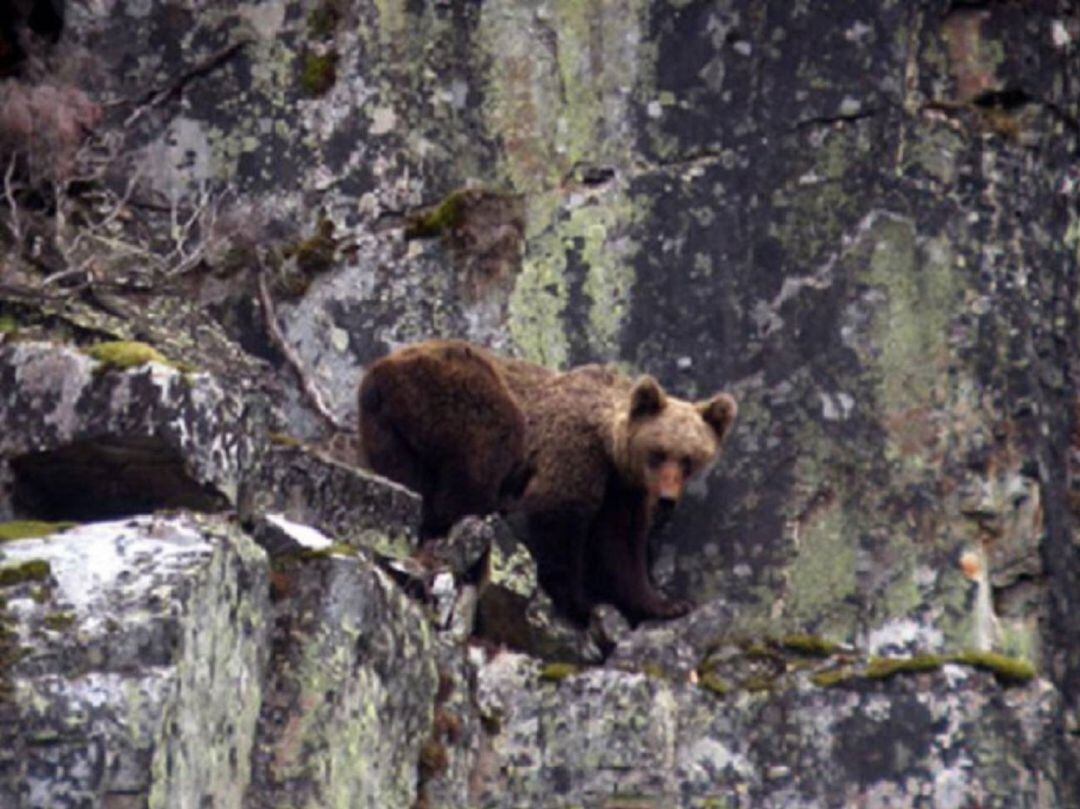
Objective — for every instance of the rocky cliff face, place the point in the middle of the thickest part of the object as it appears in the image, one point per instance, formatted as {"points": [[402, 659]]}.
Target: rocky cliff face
{"points": [[861, 218]]}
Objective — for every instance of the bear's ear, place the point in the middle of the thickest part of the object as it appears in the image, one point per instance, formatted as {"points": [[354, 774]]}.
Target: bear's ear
{"points": [[647, 398], [719, 413]]}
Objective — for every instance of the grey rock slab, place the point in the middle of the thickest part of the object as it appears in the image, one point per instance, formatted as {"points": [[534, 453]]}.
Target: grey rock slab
{"points": [[610, 738], [941, 739], [578, 741], [469, 539], [352, 505], [116, 441], [352, 684], [512, 609], [140, 659]]}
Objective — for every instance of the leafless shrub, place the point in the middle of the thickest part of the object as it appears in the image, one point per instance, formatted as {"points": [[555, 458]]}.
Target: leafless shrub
{"points": [[70, 196], [45, 125]]}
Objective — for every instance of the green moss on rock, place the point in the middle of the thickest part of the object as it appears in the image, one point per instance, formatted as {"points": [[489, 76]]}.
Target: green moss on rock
{"points": [[124, 354], [1005, 668], [881, 668], [654, 670], [285, 440], [59, 621], [810, 645], [556, 672], [757, 650], [711, 681], [832, 677], [432, 222], [312, 256], [758, 682], [31, 529], [319, 73], [290, 557], [33, 570], [316, 254]]}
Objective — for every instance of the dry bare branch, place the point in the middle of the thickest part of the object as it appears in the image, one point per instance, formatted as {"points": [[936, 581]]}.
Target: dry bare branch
{"points": [[204, 66], [64, 275], [13, 207], [307, 385]]}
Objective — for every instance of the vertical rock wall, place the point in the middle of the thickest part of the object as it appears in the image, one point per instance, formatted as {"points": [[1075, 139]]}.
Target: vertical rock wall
{"points": [[862, 218]]}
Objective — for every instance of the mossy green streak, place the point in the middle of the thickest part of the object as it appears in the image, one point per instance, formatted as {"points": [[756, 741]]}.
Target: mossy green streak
{"points": [[31, 529]]}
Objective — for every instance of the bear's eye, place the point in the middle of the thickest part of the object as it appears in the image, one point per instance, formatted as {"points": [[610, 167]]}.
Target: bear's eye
{"points": [[655, 459]]}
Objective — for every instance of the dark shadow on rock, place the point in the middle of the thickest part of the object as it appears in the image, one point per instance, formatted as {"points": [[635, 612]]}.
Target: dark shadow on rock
{"points": [[107, 478]]}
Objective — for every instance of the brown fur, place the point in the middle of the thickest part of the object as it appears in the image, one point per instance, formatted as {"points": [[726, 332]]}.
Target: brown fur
{"points": [[605, 457], [438, 417], [608, 455]]}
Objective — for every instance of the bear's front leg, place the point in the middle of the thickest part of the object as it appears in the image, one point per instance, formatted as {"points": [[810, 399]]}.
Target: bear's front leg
{"points": [[618, 559]]}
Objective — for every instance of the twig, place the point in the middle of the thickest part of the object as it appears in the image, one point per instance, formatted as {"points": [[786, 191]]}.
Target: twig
{"points": [[126, 247], [205, 215], [63, 275], [21, 292], [314, 397], [9, 195], [122, 203], [158, 97]]}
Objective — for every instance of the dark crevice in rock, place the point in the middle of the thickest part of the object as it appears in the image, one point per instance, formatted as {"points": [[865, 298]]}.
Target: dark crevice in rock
{"points": [[106, 478], [829, 120], [590, 174], [1010, 98]]}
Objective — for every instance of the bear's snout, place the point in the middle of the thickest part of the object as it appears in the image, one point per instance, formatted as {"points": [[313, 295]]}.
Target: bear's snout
{"points": [[668, 484]]}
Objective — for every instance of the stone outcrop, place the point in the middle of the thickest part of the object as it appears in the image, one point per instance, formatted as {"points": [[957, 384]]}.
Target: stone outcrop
{"points": [[162, 660], [355, 506], [134, 664], [617, 739], [349, 693], [88, 438], [861, 218]]}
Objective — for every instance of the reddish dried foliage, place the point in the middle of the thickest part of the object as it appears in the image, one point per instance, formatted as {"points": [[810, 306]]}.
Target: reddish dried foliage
{"points": [[46, 124]]}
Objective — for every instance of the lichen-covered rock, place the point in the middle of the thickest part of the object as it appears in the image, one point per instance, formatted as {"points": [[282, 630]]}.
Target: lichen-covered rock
{"points": [[85, 438], [350, 690], [834, 212], [350, 504], [455, 746], [579, 740], [134, 663], [606, 738], [677, 647], [512, 609], [860, 217], [466, 543]]}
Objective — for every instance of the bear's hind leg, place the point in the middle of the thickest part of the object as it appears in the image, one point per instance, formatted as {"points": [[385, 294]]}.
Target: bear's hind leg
{"points": [[384, 447], [455, 494]]}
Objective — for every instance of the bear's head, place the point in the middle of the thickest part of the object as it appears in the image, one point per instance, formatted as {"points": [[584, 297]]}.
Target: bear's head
{"points": [[662, 442]]}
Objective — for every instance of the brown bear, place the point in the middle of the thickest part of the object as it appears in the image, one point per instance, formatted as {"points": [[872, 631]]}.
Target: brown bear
{"points": [[438, 418], [595, 461], [608, 456]]}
